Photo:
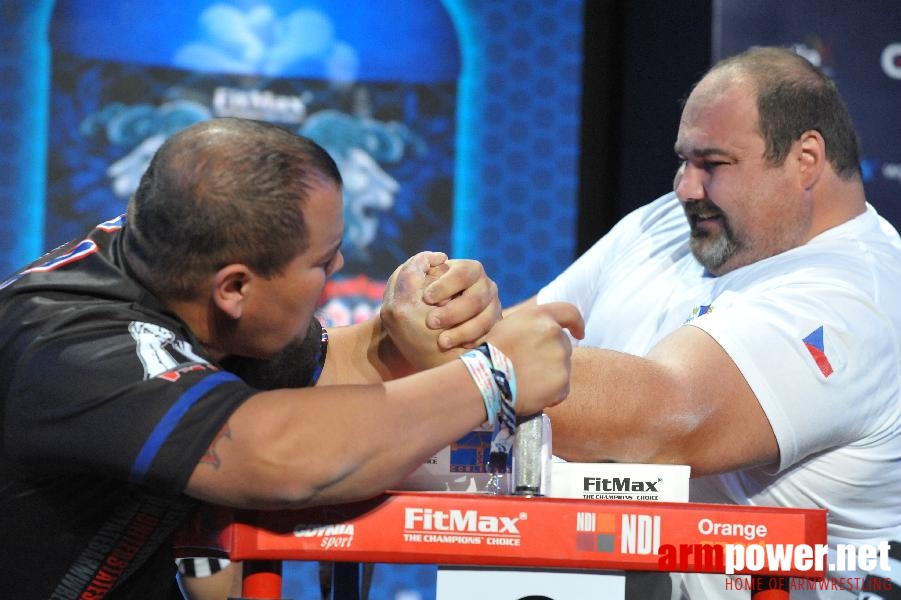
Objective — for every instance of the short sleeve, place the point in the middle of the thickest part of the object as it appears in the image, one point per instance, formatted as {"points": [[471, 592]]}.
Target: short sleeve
{"points": [[813, 354], [128, 400], [579, 283]]}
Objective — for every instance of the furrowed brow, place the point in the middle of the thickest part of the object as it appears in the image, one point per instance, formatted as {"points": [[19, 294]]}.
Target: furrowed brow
{"points": [[700, 152]]}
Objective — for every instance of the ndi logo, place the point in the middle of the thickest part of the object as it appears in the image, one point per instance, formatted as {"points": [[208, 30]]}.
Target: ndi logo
{"points": [[640, 534]]}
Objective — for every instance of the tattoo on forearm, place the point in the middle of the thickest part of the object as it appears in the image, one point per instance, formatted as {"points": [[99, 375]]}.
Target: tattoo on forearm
{"points": [[211, 457]]}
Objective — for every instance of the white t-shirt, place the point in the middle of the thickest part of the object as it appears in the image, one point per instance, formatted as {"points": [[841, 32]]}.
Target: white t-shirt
{"points": [[815, 332]]}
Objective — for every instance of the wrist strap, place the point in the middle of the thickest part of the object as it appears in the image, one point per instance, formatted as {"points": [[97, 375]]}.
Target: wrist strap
{"points": [[496, 379], [479, 367]]}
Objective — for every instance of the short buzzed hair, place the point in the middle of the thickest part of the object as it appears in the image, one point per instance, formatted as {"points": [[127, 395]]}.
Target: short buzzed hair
{"points": [[219, 192], [794, 96]]}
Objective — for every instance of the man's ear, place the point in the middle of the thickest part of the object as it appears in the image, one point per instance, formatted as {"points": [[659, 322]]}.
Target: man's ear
{"points": [[230, 287], [812, 158]]}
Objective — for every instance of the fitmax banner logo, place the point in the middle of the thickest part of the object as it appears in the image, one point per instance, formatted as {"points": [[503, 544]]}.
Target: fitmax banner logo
{"points": [[459, 521], [619, 484]]}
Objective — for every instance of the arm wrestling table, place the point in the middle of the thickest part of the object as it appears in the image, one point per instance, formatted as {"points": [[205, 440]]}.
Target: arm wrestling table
{"points": [[504, 531]]}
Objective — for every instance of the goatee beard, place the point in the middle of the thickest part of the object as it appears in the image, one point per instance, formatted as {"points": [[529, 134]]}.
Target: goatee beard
{"points": [[712, 250]]}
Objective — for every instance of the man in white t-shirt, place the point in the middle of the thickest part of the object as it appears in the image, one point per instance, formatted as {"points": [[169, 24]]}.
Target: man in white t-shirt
{"points": [[748, 323]]}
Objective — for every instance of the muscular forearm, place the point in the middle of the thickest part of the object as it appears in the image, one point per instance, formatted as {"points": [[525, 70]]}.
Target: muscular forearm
{"points": [[685, 403], [362, 353], [329, 444], [621, 408], [337, 443]]}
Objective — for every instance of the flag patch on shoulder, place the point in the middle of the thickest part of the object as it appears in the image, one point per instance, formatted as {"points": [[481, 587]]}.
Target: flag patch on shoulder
{"points": [[817, 348]]}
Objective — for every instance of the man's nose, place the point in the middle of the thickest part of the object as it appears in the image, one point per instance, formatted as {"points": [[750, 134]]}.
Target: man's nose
{"points": [[688, 183]]}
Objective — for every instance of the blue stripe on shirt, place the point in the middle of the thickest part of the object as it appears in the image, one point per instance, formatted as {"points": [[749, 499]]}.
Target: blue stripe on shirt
{"points": [[169, 421]]}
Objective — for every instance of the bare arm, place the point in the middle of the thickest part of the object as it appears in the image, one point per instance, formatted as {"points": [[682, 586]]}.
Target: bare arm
{"points": [[219, 586], [333, 444], [685, 403], [323, 445]]}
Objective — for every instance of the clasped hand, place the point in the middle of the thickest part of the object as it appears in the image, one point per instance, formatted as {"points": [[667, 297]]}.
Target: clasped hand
{"points": [[434, 308]]}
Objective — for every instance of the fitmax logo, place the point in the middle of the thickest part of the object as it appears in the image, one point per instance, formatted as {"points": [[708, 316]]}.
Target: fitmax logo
{"points": [[470, 521], [618, 484]]}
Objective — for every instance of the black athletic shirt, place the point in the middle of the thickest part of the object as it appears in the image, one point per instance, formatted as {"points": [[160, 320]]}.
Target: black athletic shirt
{"points": [[108, 403]]}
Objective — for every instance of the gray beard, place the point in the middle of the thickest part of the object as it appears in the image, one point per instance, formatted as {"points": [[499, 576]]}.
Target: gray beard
{"points": [[712, 252]]}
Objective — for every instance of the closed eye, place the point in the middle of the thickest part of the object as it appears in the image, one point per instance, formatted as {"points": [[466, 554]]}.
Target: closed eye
{"points": [[332, 264], [710, 165]]}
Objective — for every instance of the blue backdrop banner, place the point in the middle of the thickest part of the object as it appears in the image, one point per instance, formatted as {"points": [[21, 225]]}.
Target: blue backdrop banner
{"points": [[859, 45]]}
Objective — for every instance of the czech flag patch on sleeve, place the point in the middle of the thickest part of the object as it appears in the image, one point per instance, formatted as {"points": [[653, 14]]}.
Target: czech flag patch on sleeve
{"points": [[817, 348]]}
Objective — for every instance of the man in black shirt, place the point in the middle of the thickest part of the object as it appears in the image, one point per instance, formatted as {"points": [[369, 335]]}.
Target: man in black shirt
{"points": [[173, 356]]}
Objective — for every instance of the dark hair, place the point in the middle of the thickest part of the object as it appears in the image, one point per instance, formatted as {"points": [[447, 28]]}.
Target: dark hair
{"points": [[223, 191], [794, 96]]}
